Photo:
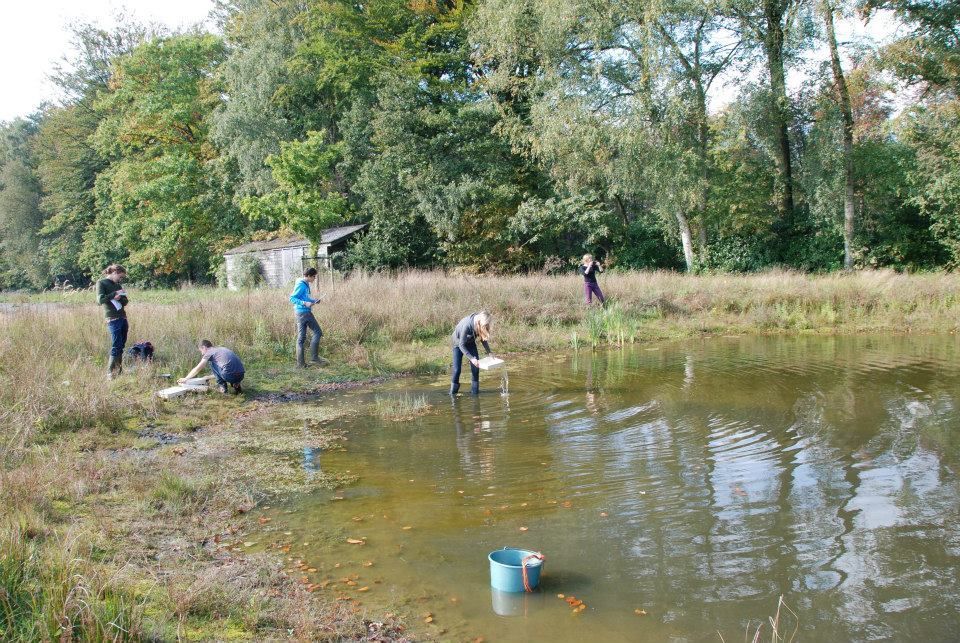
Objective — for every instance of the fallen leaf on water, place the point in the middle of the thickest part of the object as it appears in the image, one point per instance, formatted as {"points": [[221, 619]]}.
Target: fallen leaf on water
{"points": [[560, 596], [337, 565], [576, 603], [288, 533], [249, 543], [429, 619], [454, 599], [351, 583], [408, 528], [357, 519], [524, 528], [369, 563], [640, 612], [523, 504], [487, 495], [354, 541], [567, 504], [459, 492], [363, 589], [604, 514], [306, 544], [312, 570]]}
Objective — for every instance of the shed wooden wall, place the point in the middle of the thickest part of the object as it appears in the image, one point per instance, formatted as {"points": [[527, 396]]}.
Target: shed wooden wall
{"points": [[279, 267]]}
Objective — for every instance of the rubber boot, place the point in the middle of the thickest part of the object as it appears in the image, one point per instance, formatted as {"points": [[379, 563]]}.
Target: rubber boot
{"points": [[315, 356], [114, 366], [300, 362], [454, 387], [475, 388]]}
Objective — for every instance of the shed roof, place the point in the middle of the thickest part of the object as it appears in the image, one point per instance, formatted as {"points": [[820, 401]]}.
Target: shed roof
{"points": [[330, 235]]}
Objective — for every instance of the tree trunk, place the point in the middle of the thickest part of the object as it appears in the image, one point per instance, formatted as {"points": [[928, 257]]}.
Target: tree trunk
{"points": [[703, 146], [849, 212], [686, 239], [773, 48]]}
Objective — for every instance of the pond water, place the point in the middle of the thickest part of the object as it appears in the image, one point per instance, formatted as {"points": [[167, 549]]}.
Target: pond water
{"points": [[697, 482]]}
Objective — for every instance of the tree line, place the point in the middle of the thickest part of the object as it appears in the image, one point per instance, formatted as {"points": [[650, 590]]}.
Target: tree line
{"points": [[495, 135]]}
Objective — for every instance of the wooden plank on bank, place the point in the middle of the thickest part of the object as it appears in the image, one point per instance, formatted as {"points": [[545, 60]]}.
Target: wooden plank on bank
{"points": [[192, 385]]}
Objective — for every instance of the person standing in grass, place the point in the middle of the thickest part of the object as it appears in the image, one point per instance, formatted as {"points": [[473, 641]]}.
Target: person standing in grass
{"points": [[226, 366], [113, 298], [589, 269], [303, 306], [465, 337]]}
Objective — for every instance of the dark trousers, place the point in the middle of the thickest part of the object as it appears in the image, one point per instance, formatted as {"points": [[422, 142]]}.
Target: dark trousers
{"points": [[118, 336], [591, 288], [305, 321], [458, 365], [222, 380]]}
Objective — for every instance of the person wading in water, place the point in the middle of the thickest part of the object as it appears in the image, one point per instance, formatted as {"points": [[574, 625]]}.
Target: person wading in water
{"points": [[464, 338]]}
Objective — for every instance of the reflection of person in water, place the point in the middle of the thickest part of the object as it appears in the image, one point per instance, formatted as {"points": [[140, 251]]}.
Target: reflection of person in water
{"points": [[474, 441], [311, 455]]}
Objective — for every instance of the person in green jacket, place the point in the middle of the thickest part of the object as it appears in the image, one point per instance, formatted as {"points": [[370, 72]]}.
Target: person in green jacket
{"points": [[113, 298]]}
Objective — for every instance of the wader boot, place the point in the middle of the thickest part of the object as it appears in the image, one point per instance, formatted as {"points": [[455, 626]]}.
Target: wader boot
{"points": [[454, 387], [315, 356], [114, 366], [300, 362], [475, 388]]}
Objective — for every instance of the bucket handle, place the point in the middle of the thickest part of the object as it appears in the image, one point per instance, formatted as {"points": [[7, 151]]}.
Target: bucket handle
{"points": [[523, 569]]}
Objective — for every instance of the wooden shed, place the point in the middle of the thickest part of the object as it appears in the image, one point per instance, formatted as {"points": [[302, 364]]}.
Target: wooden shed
{"points": [[280, 262]]}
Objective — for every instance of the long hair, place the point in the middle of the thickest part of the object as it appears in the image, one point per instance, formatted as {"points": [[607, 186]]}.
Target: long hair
{"points": [[481, 324], [113, 269]]}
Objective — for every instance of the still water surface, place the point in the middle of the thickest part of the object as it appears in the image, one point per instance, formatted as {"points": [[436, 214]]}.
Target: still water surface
{"points": [[697, 482]]}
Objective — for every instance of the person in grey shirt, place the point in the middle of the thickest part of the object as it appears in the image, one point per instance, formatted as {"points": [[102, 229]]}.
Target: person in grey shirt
{"points": [[226, 366], [465, 335]]}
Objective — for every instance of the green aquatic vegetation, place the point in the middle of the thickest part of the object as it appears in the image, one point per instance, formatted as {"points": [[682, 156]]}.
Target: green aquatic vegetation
{"points": [[402, 407]]}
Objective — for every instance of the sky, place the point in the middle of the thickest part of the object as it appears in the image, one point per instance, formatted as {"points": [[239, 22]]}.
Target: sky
{"points": [[34, 36]]}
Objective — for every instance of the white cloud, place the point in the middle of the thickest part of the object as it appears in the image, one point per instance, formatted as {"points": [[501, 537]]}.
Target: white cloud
{"points": [[34, 36]]}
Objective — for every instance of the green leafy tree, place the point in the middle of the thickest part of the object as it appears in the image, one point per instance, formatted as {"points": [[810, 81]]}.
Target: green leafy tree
{"points": [[20, 214], [305, 199], [160, 205]]}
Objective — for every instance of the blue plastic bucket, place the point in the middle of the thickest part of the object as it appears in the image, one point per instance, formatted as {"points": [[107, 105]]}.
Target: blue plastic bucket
{"points": [[506, 573]]}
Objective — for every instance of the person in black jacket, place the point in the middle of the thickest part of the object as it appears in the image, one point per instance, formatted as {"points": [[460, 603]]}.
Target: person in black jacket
{"points": [[464, 339], [589, 269], [113, 298]]}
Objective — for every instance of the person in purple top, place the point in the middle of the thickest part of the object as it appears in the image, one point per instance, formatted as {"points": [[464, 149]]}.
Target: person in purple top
{"points": [[589, 269]]}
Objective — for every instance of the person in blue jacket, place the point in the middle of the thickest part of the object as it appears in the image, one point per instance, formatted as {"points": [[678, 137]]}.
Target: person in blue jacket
{"points": [[465, 336], [303, 306]]}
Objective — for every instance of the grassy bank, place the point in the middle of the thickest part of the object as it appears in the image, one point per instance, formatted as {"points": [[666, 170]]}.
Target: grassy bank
{"points": [[113, 503]]}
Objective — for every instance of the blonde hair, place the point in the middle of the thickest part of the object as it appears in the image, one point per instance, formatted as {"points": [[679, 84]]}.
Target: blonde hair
{"points": [[587, 257], [481, 324]]}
